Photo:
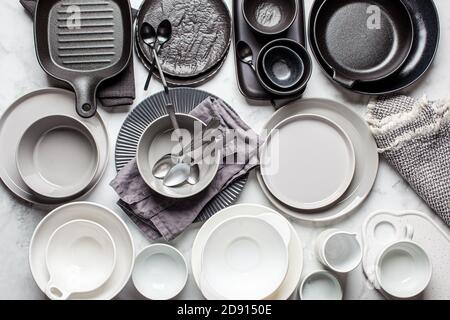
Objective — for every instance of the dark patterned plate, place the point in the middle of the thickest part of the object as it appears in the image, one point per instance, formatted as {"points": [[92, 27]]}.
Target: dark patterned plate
{"points": [[201, 34], [180, 82], [184, 99]]}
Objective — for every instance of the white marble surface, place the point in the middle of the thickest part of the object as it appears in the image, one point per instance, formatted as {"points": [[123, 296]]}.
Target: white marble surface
{"points": [[20, 73]]}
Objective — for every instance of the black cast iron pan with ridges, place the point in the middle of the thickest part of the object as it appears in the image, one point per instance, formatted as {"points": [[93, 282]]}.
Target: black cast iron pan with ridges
{"points": [[83, 43]]}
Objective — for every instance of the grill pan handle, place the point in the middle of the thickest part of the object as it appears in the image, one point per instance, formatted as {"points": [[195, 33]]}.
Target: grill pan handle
{"points": [[86, 97]]}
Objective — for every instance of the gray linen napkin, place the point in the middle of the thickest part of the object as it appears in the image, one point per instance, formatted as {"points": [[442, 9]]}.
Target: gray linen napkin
{"points": [[158, 216], [414, 137], [117, 91]]}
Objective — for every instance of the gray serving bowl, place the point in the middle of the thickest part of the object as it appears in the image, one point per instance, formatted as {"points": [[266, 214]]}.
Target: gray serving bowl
{"points": [[156, 142]]}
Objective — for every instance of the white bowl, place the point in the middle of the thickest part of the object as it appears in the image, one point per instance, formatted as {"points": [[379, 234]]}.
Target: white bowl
{"points": [[403, 269], [160, 272], [244, 258], [80, 257], [320, 285]]}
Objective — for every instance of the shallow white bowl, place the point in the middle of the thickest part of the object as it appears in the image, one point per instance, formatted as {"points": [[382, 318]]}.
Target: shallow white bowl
{"points": [[160, 272], [244, 258]]}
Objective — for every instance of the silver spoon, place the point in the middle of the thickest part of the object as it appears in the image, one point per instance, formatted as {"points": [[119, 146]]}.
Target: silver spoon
{"points": [[166, 162], [245, 54], [148, 35], [178, 176], [163, 34]]}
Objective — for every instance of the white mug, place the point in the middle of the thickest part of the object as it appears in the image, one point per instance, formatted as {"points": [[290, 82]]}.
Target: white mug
{"points": [[403, 268], [339, 251]]}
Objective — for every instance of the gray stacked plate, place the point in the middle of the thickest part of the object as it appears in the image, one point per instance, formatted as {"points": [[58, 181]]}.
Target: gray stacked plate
{"points": [[185, 100]]}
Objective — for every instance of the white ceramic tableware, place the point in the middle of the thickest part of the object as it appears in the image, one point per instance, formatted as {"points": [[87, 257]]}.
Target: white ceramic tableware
{"points": [[307, 162], [57, 157], [295, 249], [95, 213], [385, 227], [244, 258], [160, 272], [80, 257], [365, 151], [157, 141], [25, 111], [403, 269], [338, 250], [320, 285]]}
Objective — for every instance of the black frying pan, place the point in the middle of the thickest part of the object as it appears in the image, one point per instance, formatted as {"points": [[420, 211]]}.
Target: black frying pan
{"points": [[83, 43], [363, 40]]}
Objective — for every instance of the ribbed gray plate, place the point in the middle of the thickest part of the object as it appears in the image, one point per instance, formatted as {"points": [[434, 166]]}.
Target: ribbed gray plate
{"points": [[184, 100]]}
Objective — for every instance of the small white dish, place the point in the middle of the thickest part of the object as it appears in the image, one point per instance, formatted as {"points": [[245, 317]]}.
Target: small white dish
{"points": [[403, 269], [160, 272], [80, 257], [57, 157], [320, 285], [338, 250], [244, 258], [307, 162]]}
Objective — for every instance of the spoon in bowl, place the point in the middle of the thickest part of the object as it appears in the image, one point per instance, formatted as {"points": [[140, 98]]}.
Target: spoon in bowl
{"points": [[165, 163], [148, 35], [163, 34]]}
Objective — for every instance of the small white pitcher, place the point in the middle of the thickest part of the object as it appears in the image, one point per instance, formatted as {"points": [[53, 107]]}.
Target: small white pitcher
{"points": [[339, 251]]}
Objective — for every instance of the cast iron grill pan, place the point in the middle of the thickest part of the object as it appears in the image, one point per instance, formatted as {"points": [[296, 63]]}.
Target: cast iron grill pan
{"points": [[83, 43]]}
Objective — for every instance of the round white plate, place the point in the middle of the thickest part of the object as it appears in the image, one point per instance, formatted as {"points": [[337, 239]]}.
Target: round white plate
{"points": [[244, 258], [295, 249], [24, 112], [365, 152], [307, 162], [96, 213]]}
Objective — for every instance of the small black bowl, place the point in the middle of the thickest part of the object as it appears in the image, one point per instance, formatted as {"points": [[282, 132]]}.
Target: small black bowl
{"points": [[283, 67], [264, 77], [270, 17]]}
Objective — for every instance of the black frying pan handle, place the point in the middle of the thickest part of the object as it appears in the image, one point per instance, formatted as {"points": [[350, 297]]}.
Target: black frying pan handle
{"points": [[86, 98]]}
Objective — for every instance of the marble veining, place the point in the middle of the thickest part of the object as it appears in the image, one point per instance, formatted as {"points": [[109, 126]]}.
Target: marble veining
{"points": [[21, 73]]}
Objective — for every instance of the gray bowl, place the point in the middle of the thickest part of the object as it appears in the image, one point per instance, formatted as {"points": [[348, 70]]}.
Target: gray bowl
{"points": [[270, 17], [156, 142], [283, 67]]}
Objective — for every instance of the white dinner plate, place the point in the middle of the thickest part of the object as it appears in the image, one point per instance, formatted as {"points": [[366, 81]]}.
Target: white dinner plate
{"points": [[307, 162], [96, 213], [295, 249], [365, 153], [21, 115], [244, 258]]}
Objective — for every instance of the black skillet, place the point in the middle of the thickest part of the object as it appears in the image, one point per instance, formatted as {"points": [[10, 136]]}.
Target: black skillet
{"points": [[425, 21], [363, 40], [83, 43]]}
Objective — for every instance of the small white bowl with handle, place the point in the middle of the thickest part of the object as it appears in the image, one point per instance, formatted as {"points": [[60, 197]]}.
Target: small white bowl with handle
{"points": [[80, 256]]}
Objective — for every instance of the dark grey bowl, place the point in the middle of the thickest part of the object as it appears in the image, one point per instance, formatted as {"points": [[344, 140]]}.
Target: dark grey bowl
{"points": [[283, 67], [270, 17], [264, 77]]}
